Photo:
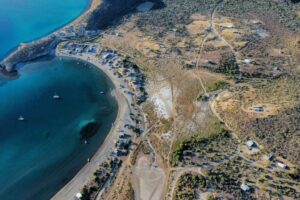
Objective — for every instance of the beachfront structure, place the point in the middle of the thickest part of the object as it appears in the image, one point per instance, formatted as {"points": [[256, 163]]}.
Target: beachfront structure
{"points": [[69, 29], [107, 55], [91, 33], [80, 30], [92, 49], [78, 196], [123, 136], [66, 35], [123, 143], [74, 47], [78, 50], [118, 152]]}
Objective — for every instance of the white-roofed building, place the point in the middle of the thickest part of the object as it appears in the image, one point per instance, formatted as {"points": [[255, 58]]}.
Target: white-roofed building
{"points": [[245, 187], [251, 144], [78, 196], [281, 165]]}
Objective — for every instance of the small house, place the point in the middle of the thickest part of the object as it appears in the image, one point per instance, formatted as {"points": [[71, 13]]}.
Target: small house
{"points": [[91, 33], [258, 109], [78, 196], [78, 50], [245, 187], [281, 165], [124, 136], [92, 49], [246, 61], [226, 25], [108, 56], [251, 144], [69, 29]]}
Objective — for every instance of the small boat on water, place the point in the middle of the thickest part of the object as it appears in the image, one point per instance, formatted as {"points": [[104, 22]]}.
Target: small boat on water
{"points": [[56, 96], [21, 118]]}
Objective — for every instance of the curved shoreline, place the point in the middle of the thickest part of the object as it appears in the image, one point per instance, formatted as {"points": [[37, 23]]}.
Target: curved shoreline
{"points": [[42, 46], [85, 174], [87, 7]]}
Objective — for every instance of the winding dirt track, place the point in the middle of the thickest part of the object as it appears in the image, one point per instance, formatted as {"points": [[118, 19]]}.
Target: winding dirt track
{"points": [[179, 171]]}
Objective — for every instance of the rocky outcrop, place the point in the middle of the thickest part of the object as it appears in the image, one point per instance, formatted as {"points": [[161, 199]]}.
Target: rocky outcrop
{"points": [[29, 51], [89, 130]]}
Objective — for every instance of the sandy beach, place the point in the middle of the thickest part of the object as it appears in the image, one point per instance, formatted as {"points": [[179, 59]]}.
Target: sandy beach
{"points": [[123, 117], [92, 6], [85, 175]]}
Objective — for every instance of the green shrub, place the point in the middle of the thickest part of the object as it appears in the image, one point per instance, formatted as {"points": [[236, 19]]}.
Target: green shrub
{"points": [[219, 85]]}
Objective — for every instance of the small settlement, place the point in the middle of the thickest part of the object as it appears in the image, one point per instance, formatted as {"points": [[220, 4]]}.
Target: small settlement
{"points": [[252, 145], [78, 31], [132, 85], [120, 66]]}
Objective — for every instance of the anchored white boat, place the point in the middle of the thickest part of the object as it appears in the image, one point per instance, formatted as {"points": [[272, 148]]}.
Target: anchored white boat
{"points": [[21, 118], [56, 96]]}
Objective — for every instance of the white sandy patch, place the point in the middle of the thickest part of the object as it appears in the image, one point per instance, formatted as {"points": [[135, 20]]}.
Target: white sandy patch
{"points": [[162, 101], [148, 182]]}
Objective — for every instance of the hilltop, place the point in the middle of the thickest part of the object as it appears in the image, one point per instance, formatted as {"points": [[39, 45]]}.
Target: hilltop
{"points": [[219, 74]]}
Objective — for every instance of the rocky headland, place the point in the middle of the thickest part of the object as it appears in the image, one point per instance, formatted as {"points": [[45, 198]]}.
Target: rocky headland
{"points": [[29, 51], [97, 17]]}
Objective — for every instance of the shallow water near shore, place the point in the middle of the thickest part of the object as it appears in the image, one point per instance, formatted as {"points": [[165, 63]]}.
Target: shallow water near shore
{"points": [[41, 154], [26, 20]]}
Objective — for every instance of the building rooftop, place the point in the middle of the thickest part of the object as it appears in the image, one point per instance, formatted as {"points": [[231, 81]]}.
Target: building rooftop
{"points": [[250, 143], [245, 187], [282, 165]]}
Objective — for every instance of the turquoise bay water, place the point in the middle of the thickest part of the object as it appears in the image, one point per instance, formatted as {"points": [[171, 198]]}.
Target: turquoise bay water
{"points": [[42, 153], [26, 20]]}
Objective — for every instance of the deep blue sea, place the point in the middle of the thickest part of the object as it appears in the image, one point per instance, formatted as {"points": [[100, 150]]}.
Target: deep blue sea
{"points": [[41, 154]]}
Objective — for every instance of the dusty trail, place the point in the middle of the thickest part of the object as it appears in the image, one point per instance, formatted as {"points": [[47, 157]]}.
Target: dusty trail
{"points": [[179, 171]]}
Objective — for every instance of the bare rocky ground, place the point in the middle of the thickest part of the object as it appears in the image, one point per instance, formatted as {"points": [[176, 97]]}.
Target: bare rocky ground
{"points": [[148, 181]]}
